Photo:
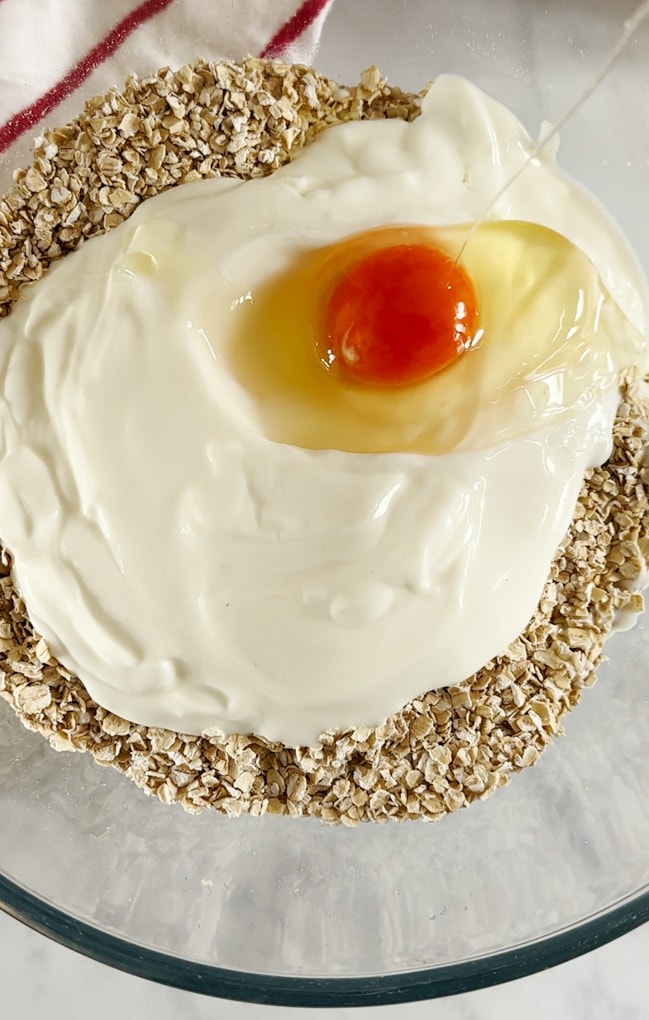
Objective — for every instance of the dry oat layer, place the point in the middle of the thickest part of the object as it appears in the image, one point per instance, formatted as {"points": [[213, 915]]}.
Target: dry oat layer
{"points": [[448, 747]]}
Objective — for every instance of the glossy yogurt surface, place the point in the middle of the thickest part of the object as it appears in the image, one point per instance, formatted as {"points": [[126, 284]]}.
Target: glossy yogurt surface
{"points": [[208, 557]]}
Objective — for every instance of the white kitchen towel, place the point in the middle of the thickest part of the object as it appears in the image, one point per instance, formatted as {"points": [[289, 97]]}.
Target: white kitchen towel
{"points": [[56, 53]]}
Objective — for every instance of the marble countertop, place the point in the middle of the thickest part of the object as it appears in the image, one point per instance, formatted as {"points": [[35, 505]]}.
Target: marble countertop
{"points": [[42, 979]]}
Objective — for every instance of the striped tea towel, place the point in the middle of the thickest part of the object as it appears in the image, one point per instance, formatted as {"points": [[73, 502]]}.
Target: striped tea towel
{"points": [[56, 53]]}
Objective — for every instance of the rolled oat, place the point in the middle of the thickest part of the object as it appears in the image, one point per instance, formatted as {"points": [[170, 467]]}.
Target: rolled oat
{"points": [[442, 750]]}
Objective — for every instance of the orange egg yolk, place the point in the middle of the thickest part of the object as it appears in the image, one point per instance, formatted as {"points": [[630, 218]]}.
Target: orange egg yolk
{"points": [[399, 315]]}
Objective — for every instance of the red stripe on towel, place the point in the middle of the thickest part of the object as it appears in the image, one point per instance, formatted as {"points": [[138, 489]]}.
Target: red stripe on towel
{"points": [[291, 29], [27, 118]]}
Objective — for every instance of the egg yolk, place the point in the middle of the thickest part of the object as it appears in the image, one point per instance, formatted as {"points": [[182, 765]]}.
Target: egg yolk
{"points": [[399, 315]]}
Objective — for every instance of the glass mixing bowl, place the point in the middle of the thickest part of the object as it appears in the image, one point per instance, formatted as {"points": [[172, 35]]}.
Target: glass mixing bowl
{"points": [[290, 911]]}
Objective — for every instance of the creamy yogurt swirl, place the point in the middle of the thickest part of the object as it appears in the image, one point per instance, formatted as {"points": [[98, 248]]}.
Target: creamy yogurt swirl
{"points": [[197, 575]]}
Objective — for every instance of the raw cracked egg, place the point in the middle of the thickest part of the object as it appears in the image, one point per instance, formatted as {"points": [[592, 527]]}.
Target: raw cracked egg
{"points": [[280, 456], [425, 351]]}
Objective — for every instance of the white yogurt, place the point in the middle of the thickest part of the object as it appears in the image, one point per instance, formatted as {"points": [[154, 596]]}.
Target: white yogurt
{"points": [[198, 576]]}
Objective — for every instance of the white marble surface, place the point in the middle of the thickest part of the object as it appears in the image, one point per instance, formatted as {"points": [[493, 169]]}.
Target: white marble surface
{"points": [[41, 979]]}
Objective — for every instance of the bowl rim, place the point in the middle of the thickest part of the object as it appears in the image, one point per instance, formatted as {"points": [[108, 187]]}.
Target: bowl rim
{"points": [[273, 990]]}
